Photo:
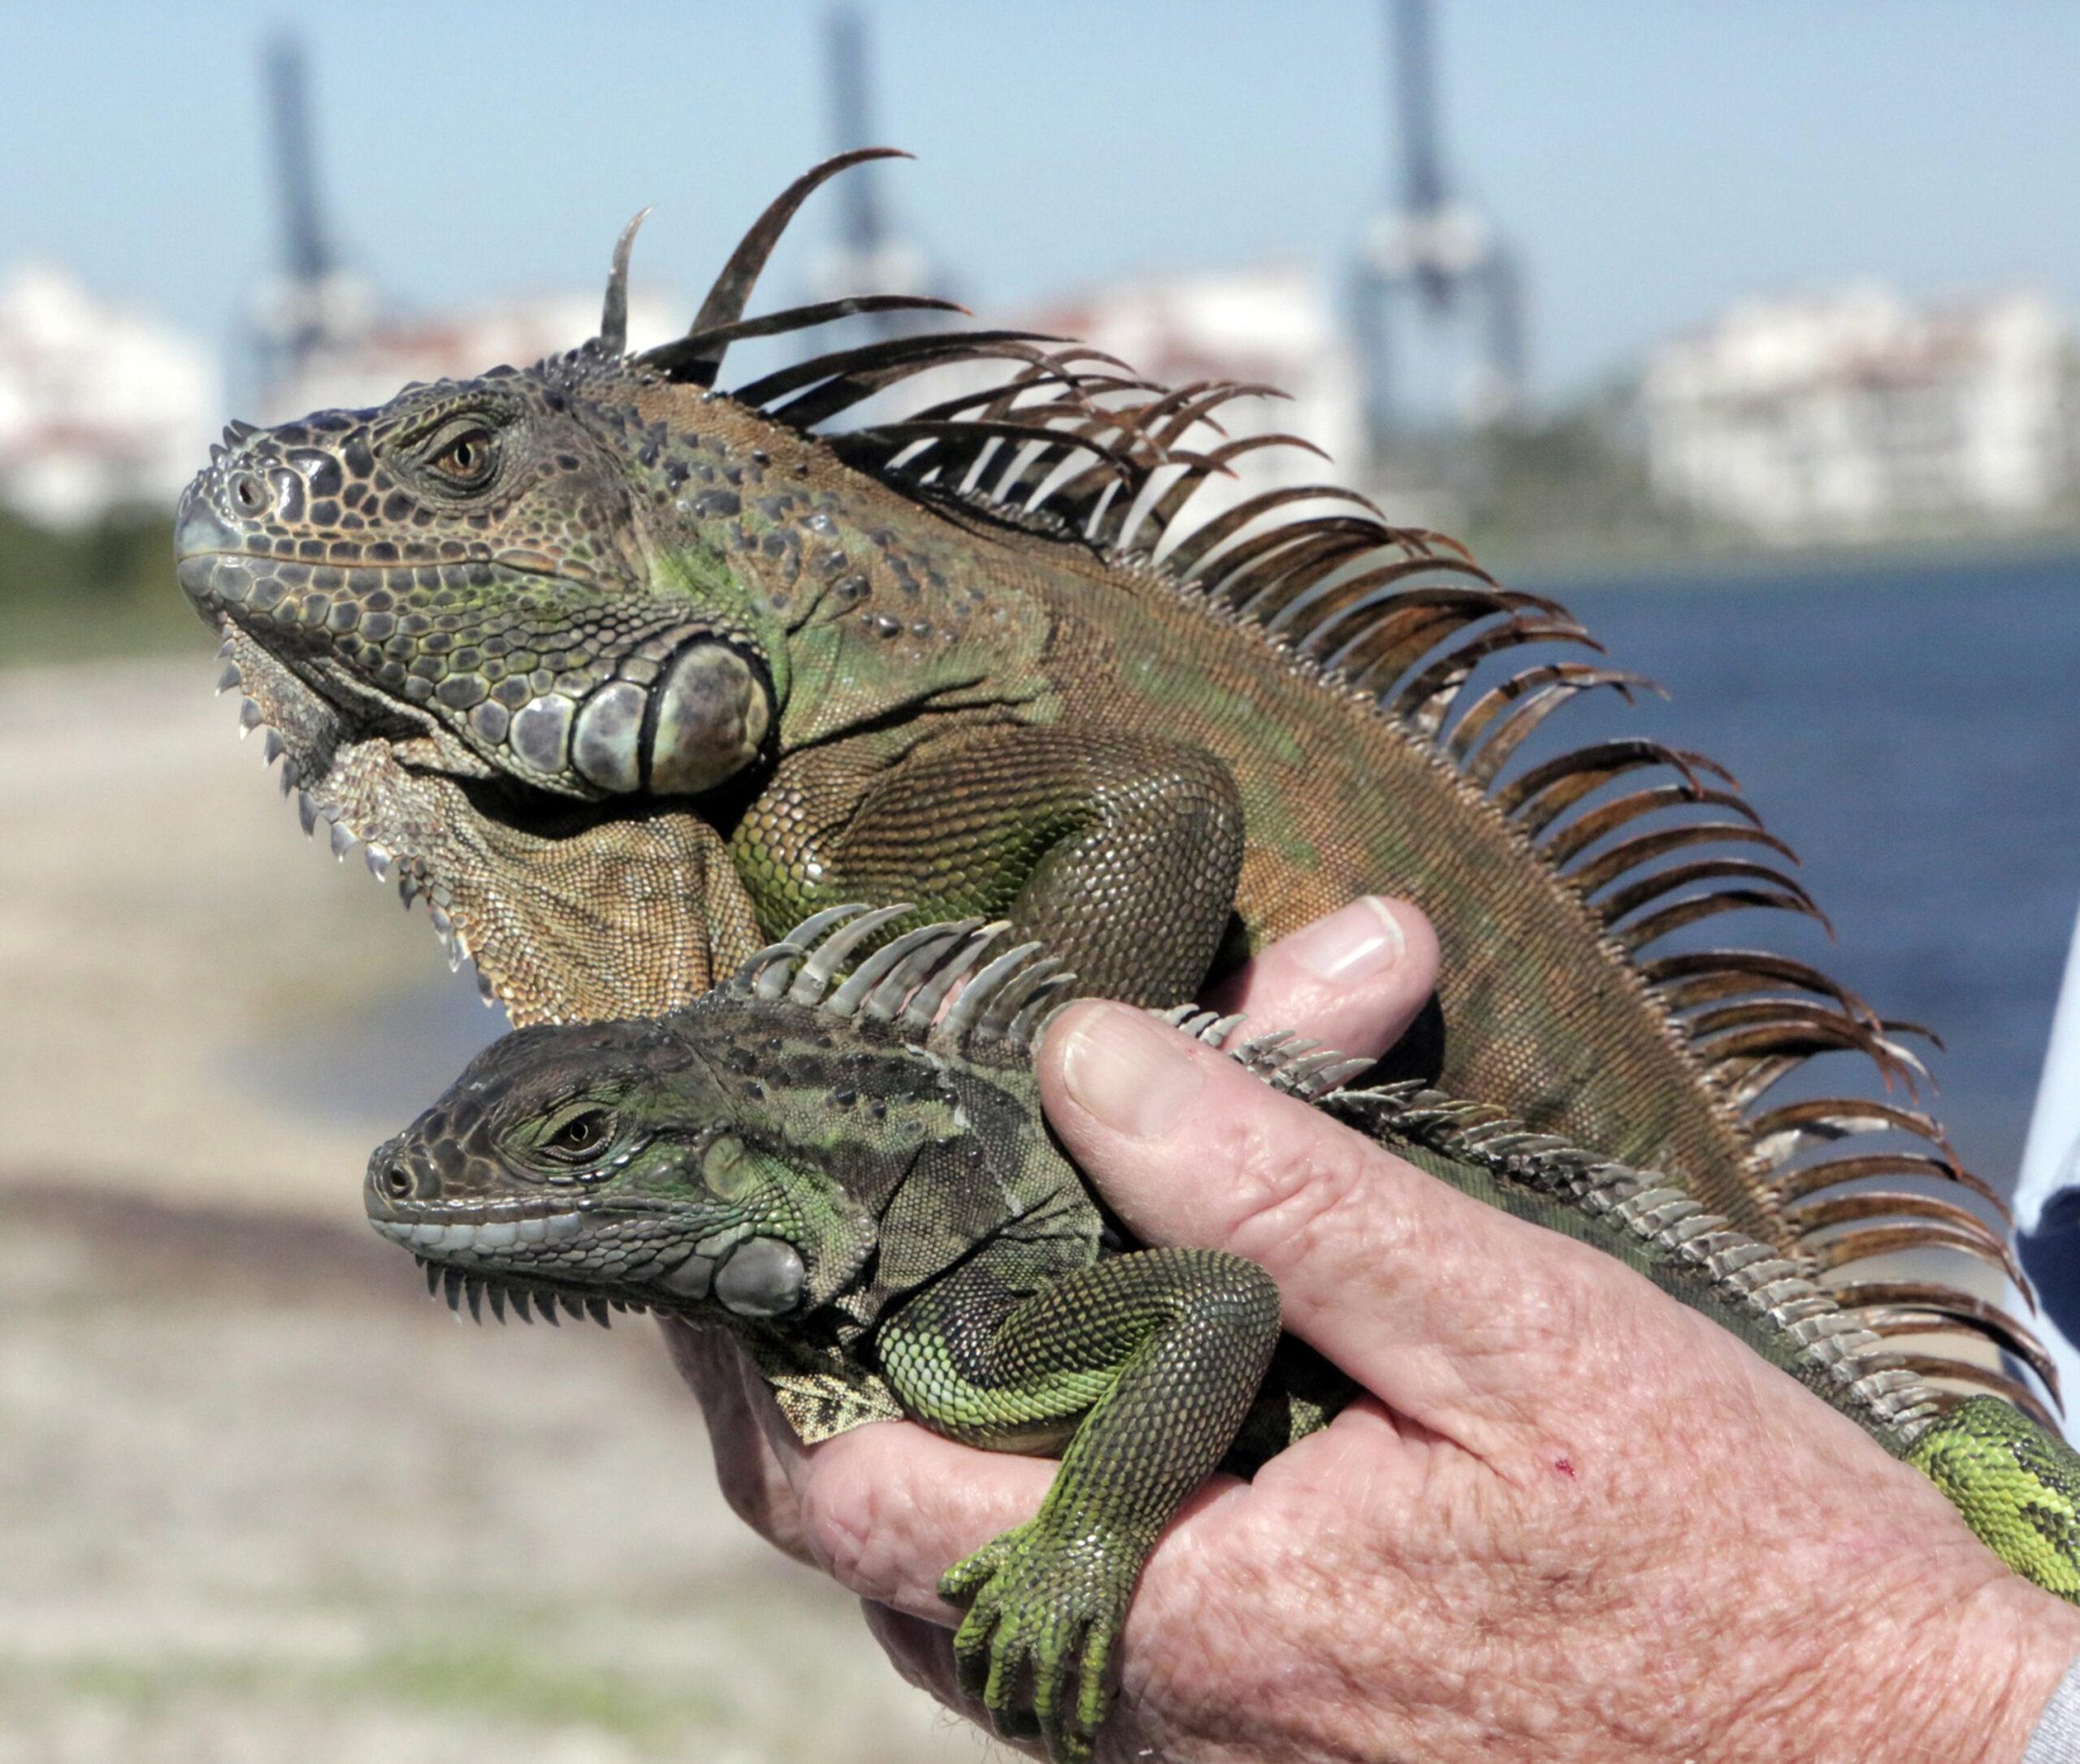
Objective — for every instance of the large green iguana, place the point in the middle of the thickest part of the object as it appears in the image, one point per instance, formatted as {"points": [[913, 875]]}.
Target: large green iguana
{"points": [[871, 1200], [626, 675]]}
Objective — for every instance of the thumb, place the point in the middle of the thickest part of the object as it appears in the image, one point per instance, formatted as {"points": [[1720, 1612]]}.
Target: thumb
{"points": [[1453, 1312]]}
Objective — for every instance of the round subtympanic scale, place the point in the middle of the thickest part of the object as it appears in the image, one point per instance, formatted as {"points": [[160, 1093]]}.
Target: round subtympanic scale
{"points": [[711, 716], [762, 1279], [605, 745], [491, 720], [690, 1278], [539, 731]]}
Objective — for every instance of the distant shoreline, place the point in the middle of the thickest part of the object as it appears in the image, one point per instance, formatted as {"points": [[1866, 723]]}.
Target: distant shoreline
{"points": [[86, 622], [1754, 567]]}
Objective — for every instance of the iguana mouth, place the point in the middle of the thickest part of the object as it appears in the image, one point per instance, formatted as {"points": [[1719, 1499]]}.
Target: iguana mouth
{"points": [[455, 1227], [447, 1236]]}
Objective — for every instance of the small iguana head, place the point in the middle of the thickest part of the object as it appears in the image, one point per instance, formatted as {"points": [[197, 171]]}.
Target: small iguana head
{"points": [[617, 1163], [733, 1158]]}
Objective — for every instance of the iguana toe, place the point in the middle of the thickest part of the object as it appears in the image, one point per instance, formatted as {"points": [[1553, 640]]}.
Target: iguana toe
{"points": [[1038, 1637], [962, 1582]]}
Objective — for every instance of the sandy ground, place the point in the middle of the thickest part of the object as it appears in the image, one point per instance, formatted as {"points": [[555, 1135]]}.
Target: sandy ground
{"points": [[164, 924], [259, 1501]]}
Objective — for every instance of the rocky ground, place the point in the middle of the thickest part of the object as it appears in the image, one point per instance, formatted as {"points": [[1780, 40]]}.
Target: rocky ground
{"points": [[259, 1501]]}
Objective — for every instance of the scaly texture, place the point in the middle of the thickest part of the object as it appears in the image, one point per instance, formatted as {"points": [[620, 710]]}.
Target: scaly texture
{"points": [[624, 674], [859, 1183]]}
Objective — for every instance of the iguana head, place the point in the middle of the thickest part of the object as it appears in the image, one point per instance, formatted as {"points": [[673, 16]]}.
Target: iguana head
{"points": [[468, 569], [450, 618], [622, 1163], [503, 631], [733, 1158]]}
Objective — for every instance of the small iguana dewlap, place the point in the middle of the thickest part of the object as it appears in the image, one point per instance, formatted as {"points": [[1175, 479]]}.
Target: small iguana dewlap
{"points": [[865, 1192]]}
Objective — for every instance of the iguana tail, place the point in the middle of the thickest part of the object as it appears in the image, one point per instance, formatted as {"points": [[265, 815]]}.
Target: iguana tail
{"points": [[2017, 1485]]}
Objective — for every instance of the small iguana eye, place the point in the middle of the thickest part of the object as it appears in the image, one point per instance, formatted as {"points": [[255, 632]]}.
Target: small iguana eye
{"points": [[578, 1136], [467, 460]]}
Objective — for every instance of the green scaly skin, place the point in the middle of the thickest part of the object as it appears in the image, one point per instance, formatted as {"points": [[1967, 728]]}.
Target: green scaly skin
{"points": [[625, 676], [871, 1200]]}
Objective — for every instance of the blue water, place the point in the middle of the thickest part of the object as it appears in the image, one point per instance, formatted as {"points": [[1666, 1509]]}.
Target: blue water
{"points": [[1913, 731]]}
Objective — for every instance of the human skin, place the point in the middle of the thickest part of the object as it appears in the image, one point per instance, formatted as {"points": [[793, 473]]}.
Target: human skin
{"points": [[1573, 1520]]}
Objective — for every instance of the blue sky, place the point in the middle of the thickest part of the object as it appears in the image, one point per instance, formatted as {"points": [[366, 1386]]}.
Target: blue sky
{"points": [[1652, 160]]}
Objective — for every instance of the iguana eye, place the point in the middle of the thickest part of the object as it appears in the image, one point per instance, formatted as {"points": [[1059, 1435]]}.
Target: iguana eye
{"points": [[578, 1136], [466, 460]]}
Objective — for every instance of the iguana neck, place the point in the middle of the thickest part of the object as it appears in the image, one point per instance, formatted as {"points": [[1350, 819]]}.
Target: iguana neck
{"points": [[867, 609]]}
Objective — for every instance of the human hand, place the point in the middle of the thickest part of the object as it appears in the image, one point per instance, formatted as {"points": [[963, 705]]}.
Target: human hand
{"points": [[1355, 979], [1574, 1521]]}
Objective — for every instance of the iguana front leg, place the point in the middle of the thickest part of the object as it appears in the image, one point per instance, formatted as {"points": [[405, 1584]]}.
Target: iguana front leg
{"points": [[1121, 852], [1149, 1362]]}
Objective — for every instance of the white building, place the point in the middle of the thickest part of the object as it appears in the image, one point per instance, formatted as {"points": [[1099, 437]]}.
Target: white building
{"points": [[99, 408], [1851, 414], [365, 360], [1274, 324]]}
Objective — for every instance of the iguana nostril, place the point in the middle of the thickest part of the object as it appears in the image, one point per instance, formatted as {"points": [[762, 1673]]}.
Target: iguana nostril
{"points": [[248, 492], [397, 1181]]}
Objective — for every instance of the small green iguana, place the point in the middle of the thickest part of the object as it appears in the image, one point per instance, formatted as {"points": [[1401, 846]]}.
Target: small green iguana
{"points": [[870, 1200], [626, 675]]}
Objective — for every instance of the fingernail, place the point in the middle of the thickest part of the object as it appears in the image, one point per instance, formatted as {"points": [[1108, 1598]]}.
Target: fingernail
{"points": [[1128, 1071], [1354, 942]]}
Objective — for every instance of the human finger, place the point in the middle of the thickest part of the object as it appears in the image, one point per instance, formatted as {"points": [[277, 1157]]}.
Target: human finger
{"points": [[1392, 1273], [1356, 979], [750, 1439], [887, 1508]]}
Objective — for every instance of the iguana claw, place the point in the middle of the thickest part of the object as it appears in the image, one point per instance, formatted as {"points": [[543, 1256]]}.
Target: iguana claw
{"points": [[1039, 1632]]}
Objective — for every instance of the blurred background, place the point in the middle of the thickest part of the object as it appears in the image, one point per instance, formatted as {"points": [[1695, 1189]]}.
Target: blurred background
{"points": [[1750, 331]]}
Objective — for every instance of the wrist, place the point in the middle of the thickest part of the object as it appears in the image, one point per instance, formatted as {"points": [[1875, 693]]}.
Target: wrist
{"points": [[2019, 1642], [1966, 1680]]}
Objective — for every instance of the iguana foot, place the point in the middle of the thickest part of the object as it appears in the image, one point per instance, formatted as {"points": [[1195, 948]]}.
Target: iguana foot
{"points": [[1034, 1648]]}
